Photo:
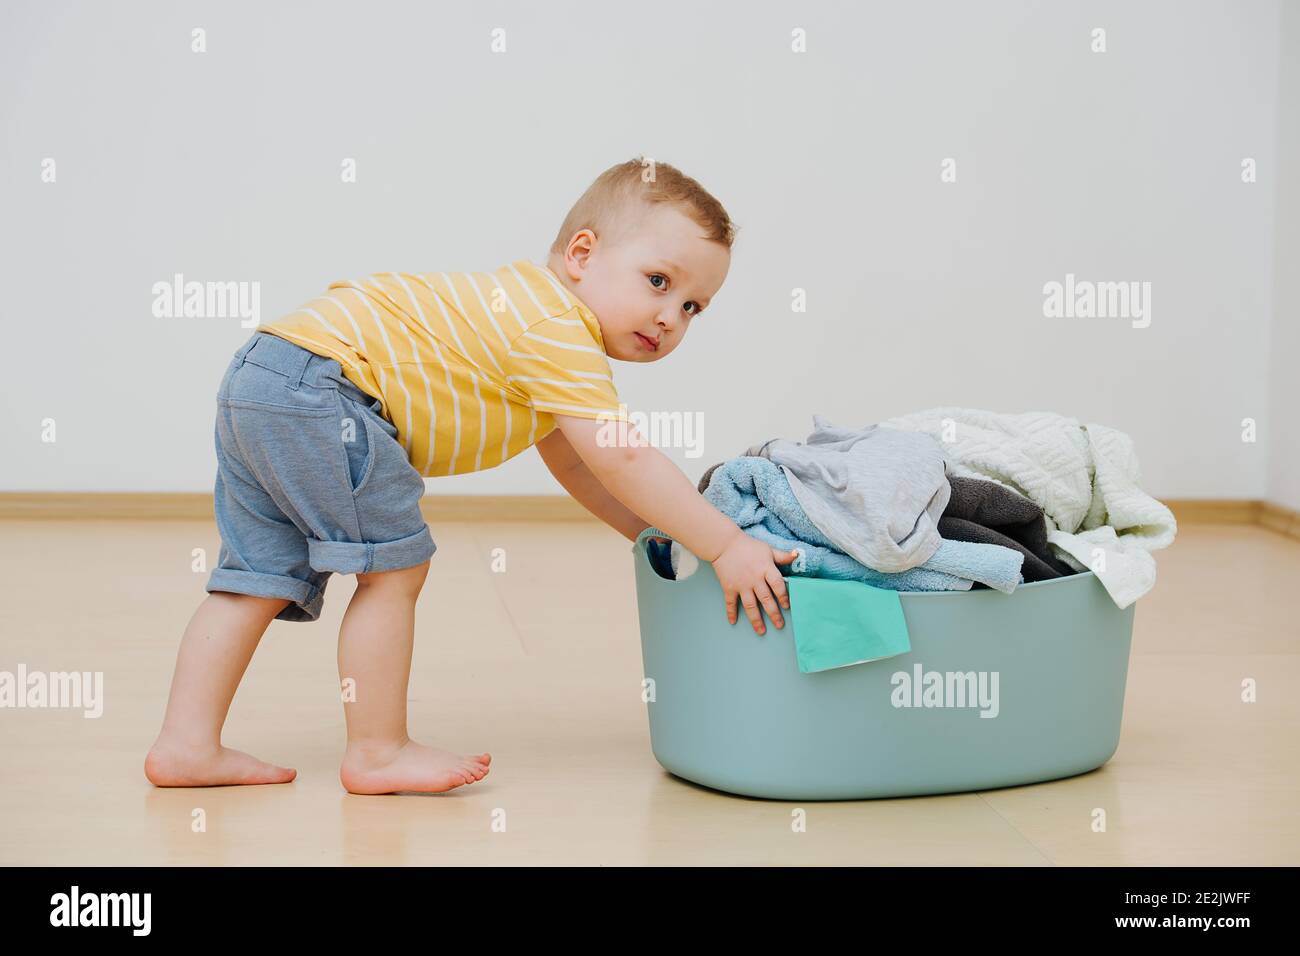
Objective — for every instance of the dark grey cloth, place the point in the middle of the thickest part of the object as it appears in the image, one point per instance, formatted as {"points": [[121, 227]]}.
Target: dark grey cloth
{"points": [[985, 512]]}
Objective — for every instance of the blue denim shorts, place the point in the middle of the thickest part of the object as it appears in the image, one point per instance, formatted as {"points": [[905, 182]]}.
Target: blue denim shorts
{"points": [[310, 480]]}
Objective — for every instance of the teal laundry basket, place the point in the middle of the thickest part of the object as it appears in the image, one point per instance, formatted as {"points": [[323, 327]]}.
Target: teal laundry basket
{"points": [[731, 710]]}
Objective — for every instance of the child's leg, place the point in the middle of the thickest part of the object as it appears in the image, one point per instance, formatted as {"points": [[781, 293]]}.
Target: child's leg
{"points": [[215, 651], [375, 643]]}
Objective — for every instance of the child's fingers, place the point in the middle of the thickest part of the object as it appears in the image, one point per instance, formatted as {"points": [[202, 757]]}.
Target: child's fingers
{"points": [[750, 604], [777, 583], [783, 557], [769, 604]]}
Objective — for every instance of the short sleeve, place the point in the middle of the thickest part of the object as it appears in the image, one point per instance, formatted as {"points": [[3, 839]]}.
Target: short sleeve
{"points": [[560, 366]]}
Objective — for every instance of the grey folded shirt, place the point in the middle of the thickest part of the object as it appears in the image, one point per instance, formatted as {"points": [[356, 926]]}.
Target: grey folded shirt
{"points": [[877, 493]]}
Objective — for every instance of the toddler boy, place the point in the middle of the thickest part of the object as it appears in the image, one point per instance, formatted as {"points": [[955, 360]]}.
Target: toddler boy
{"points": [[329, 419]]}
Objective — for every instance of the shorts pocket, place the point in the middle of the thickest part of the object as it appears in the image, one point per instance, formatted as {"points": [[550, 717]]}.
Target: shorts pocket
{"points": [[254, 384], [358, 444]]}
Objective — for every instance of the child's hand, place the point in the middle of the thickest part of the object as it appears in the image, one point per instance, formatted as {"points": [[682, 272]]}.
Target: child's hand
{"points": [[747, 569]]}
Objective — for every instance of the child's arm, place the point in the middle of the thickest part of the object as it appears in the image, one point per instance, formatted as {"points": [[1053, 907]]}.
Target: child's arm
{"points": [[572, 472], [647, 482]]}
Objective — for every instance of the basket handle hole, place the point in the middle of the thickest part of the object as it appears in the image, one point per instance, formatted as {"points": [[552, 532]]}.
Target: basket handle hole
{"points": [[660, 553]]}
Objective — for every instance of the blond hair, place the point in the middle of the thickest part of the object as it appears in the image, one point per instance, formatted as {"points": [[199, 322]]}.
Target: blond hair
{"points": [[613, 204]]}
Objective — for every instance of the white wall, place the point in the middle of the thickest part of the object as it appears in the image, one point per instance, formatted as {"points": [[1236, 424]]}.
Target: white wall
{"points": [[224, 166], [1284, 348]]}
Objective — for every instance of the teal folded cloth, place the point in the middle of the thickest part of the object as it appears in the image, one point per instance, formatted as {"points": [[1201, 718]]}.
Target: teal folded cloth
{"points": [[838, 623]]}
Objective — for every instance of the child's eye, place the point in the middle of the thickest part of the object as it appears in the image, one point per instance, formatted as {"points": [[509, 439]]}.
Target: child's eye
{"points": [[660, 275]]}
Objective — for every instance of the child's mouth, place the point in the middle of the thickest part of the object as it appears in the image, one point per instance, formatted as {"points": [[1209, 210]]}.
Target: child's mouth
{"points": [[650, 345]]}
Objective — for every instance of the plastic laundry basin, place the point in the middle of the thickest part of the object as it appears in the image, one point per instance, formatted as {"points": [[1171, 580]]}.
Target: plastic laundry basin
{"points": [[731, 710]]}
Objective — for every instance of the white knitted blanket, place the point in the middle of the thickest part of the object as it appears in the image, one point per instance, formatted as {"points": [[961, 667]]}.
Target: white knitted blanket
{"points": [[1084, 477]]}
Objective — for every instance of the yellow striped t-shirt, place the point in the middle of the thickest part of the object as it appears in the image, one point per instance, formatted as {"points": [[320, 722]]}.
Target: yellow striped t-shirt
{"points": [[470, 366]]}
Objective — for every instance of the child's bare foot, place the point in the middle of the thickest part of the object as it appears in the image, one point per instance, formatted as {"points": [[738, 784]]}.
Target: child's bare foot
{"points": [[168, 765], [409, 766]]}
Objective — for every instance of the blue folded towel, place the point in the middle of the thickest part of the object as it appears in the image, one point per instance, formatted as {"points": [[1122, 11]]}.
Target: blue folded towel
{"points": [[755, 494]]}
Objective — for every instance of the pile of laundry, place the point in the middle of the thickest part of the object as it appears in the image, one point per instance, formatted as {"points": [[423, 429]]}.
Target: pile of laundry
{"points": [[947, 499]]}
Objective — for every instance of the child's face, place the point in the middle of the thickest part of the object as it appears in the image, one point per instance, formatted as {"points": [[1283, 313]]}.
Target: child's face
{"points": [[651, 283]]}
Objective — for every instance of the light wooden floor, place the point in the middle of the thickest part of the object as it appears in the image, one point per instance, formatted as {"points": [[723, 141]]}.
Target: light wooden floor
{"points": [[541, 667]]}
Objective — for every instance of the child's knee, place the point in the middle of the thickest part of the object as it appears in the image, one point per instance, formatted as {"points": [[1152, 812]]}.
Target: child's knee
{"points": [[248, 603], [406, 581]]}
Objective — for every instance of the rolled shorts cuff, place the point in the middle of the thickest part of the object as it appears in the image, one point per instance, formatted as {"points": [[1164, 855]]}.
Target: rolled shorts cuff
{"points": [[351, 557], [308, 600]]}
